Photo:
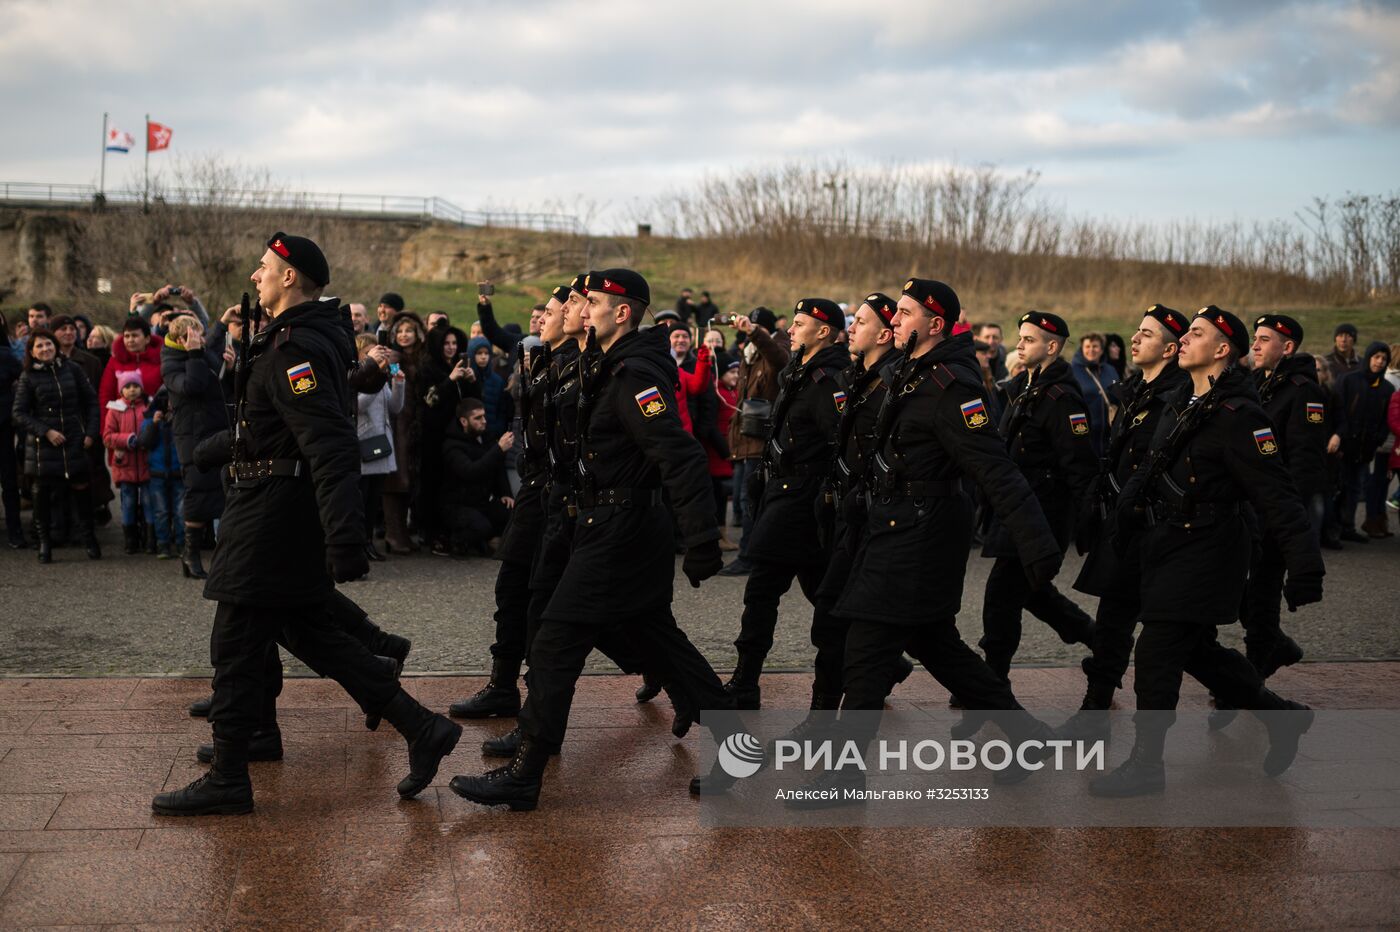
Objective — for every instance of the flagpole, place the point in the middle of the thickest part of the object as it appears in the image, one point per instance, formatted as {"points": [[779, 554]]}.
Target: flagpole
{"points": [[102, 178], [146, 192]]}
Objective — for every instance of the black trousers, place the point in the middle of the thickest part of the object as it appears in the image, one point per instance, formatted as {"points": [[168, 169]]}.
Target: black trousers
{"points": [[473, 527], [372, 492], [512, 610], [764, 589], [829, 631], [242, 648], [1008, 594], [9, 476], [1167, 649], [873, 648], [1112, 645], [560, 648]]}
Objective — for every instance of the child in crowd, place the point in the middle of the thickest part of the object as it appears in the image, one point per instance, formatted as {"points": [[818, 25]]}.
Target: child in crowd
{"points": [[166, 488], [128, 460]]}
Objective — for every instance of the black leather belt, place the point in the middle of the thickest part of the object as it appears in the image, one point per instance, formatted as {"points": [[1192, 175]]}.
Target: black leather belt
{"points": [[1200, 514], [800, 471], [254, 472], [932, 488], [626, 498]]}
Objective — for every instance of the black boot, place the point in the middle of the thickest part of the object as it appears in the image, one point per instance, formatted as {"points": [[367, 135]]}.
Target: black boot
{"points": [[131, 539], [820, 719], [430, 737], [505, 745], [516, 785], [1285, 653], [265, 745], [743, 686], [1287, 722], [45, 544], [82, 517], [190, 561], [1090, 723], [166, 551], [200, 707], [14, 534], [651, 687], [903, 667], [150, 540], [394, 665], [224, 790], [1143, 773], [372, 552], [685, 712], [499, 698]]}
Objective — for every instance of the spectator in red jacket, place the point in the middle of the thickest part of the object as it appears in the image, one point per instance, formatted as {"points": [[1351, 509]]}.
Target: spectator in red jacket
{"points": [[121, 434], [134, 351], [721, 467]]}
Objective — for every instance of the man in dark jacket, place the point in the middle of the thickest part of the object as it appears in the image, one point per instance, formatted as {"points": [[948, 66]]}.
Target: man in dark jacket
{"points": [[1214, 449], [1113, 578], [476, 491], [631, 447], [1361, 429], [1046, 428], [1343, 358], [763, 356], [293, 527], [796, 460]]}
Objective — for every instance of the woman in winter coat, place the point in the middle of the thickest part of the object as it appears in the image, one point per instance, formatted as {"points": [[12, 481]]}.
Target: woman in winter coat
{"points": [[445, 378], [374, 418], [10, 368], [134, 350], [122, 421], [190, 369], [401, 485], [57, 407]]}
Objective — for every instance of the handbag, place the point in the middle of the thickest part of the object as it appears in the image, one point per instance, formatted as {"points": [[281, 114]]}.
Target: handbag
{"points": [[756, 418], [375, 448]]}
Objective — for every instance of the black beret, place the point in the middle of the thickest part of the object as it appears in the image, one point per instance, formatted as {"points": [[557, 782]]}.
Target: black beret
{"points": [[1229, 325], [579, 283], [1052, 324], [392, 300], [561, 294], [1284, 326], [1173, 321], [666, 315], [621, 283], [883, 306], [824, 310], [764, 318], [935, 296], [303, 255]]}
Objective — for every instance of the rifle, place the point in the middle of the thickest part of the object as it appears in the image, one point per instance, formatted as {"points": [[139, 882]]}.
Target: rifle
{"points": [[1161, 457], [590, 365], [240, 382], [524, 375], [840, 472], [789, 381]]}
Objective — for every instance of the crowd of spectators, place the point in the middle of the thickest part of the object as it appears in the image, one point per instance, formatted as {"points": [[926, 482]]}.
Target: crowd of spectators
{"points": [[90, 417]]}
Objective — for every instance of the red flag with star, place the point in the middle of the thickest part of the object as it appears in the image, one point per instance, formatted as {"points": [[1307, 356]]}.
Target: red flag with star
{"points": [[157, 136]]}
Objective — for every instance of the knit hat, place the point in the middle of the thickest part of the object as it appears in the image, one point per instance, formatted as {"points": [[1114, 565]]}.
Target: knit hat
{"points": [[130, 377]]}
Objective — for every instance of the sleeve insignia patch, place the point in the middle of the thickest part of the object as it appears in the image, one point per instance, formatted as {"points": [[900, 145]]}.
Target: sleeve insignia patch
{"points": [[840, 399], [650, 401], [974, 413], [301, 378], [1264, 440], [1078, 424], [1314, 412]]}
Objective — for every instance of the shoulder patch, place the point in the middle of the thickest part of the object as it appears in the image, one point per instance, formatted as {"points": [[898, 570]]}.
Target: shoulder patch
{"points": [[840, 399], [650, 401], [1078, 423], [1314, 412], [974, 413], [301, 378], [1264, 440]]}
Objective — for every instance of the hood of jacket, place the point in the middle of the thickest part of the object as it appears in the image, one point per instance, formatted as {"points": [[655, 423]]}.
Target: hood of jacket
{"points": [[836, 356], [126, 360], [1298, 364], [957, 354], [325, 318]]}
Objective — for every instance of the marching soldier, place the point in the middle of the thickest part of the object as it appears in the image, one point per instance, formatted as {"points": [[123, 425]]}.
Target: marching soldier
{"points": [[1114, 579], [521, 540], [633, 456], [796, 460], [1214, 449], [294, 509], [905, 587], [1046, 428]]}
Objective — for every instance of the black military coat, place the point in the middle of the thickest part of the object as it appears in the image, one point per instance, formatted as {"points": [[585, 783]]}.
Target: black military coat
{"points": [[940, 432], [1195, 557], [631, 446], [276, 531], [559, 422], [785, 525], [1046, 426], [1297, 406], [521, 539], [1105, 572]]}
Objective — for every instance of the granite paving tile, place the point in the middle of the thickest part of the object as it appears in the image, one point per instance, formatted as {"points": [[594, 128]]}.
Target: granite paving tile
{"points": [[50, 770], [23, 811]]}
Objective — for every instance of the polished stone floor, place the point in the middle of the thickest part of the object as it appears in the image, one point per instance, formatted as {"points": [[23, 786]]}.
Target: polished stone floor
{"points": [[617, 842]]}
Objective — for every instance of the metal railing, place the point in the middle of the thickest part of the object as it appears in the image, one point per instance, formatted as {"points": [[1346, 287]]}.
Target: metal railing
{"points": [[386, 205]]}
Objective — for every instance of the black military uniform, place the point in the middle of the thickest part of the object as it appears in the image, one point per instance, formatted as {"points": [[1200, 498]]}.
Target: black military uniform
{"points": [[520, 544], [1046, 428], [1115, 578], [634, 457], [1209, 455], [294, 509], [1296, 405], [797, 459]]}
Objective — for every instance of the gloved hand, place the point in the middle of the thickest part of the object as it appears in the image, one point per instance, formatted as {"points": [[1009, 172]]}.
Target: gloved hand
{"points": [[701, 562], [214, 451], [349, 562], [131, 442], [1043, 570], [1302, 589]]}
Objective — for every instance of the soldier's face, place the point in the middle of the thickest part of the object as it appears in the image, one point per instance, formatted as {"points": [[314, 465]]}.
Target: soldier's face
{"points": [[575, 315], [602, 315], [806, 330], [1035, 345], [270, 277], [1149, 343], [909, 318], [551, 326], [1201, 345], [1268, 348]]}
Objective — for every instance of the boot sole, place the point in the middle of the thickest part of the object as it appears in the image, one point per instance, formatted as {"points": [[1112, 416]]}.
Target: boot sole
{"points": [[474, 715], [451, 746], [514, 805], [226, 809]]}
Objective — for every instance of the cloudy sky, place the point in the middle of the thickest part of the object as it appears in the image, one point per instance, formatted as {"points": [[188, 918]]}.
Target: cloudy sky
{"points": [[1133, 110]]}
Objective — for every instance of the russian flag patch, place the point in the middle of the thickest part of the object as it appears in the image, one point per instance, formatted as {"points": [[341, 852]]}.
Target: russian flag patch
{"points": [[1315, 412], [1078, 424], [840, 399], [1264, 440], [301, 378], [650, 401], [974, 413]]}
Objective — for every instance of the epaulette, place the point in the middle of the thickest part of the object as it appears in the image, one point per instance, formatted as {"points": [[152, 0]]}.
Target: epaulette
{"points": [[942, 375], [618, 367], [1298, 378], [1229, 405], [1055, 391], [283, 336], [822, 372]]}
